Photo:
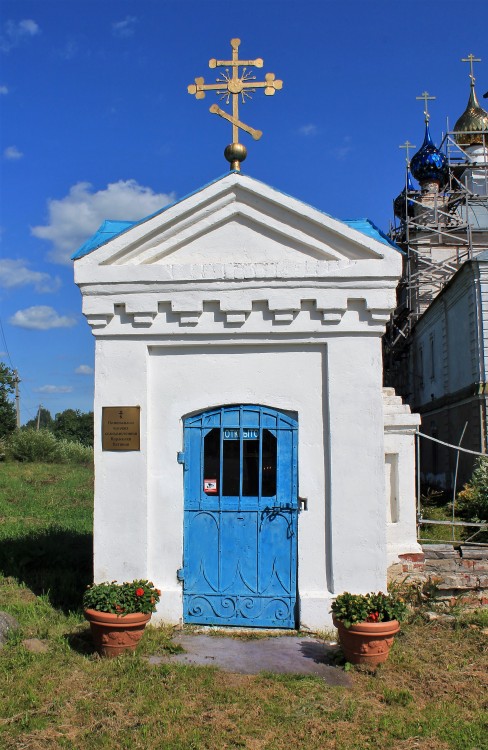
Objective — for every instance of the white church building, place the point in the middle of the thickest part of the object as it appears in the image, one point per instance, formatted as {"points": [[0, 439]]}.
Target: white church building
{"points": [[247, 459]]}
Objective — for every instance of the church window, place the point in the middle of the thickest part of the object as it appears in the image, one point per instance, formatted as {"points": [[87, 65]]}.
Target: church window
{"points": [[432, 358], [420, 367]]}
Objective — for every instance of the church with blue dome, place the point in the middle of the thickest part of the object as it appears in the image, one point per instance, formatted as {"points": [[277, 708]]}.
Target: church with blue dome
{"points": [[436, 346]]}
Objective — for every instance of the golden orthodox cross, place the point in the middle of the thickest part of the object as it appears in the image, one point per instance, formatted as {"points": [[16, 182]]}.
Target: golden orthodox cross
{"points": [[471, 59], [235, 85], [407, 145], [425, 96]]}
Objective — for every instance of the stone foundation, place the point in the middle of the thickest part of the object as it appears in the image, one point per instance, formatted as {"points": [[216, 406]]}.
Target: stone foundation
{"points": [[449, 575]]}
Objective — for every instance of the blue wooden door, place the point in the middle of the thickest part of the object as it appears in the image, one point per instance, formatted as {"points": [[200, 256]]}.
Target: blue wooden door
{"points": [[241, 507]]}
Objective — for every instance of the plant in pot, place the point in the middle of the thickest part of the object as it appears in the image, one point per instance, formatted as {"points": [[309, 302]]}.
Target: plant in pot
{"points": [[367, 625], [118, 614]]}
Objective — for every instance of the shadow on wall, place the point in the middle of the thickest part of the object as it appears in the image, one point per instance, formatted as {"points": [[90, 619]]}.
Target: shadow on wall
{"points": [[54, 562]]}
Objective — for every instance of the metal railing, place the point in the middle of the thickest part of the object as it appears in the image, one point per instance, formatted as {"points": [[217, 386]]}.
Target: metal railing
{"points": [[480, 526]]}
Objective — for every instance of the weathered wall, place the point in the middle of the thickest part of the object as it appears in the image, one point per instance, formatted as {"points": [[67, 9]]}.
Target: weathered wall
{"points": [[452, 576], [448, 383]]}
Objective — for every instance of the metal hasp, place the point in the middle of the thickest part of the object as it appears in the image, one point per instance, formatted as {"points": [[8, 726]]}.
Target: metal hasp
{"points": [[232, 84], [241, 517]]}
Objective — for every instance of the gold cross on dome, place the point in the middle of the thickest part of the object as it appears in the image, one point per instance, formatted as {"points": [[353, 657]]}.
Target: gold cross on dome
{"points": [[407, 145], [235, 85], [471, 59], [427, 98]]}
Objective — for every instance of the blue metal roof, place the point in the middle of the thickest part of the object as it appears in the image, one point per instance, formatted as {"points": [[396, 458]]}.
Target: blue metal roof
{"points": [[104, 233], [366, 226], [111, 228]]}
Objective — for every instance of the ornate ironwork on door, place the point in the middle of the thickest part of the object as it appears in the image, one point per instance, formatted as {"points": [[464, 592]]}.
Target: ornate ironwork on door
{"points": [[241, 509]]}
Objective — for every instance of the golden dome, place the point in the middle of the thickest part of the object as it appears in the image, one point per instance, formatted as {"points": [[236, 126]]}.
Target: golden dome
{"points": [[472, 124]]}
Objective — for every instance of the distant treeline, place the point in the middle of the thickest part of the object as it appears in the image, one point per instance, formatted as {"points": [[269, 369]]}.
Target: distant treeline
{"points": [[70, 424]]}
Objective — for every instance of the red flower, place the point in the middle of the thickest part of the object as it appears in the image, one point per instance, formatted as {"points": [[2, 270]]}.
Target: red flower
{"points": [[373, 617], [139, 592]]}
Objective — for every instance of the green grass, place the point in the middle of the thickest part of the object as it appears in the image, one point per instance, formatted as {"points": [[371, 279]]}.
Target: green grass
{"points": [[46, 529], [430, 695], [433, 533]]}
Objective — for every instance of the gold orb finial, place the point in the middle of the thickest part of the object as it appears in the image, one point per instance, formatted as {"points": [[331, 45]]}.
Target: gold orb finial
{"points": [[233, 84], [235, 153]]}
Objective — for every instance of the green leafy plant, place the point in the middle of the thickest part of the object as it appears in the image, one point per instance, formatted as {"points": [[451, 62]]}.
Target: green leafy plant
{"points": [[122, 598], [472, 501], [71, 452], [31, 446], [373, 607]]}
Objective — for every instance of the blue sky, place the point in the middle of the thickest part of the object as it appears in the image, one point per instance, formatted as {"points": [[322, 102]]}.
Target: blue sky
{"points": [[97, 123]]}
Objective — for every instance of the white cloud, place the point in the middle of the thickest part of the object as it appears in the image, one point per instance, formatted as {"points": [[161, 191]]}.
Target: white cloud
{"points": [[69, 50], [16, 32], [3, 90], [16, 273], [308, 130], [124, 28], [53, 389], [78, 215], [343, 149], [41, 318], [12, 153], [84, 370], [28, 27]]}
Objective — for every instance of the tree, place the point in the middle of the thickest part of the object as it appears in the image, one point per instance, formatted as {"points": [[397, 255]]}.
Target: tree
{"points": [[72, 424], [8, 419], [45, 421]]}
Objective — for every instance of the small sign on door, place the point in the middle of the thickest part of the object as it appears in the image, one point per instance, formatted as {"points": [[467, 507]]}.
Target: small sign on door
{"points": [[210, 486]]}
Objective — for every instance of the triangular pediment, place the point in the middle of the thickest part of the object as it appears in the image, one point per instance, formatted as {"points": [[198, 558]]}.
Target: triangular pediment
{"points": [[237, 220]]}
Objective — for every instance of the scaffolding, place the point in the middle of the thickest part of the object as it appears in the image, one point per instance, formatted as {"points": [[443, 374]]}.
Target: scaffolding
{"points": [[438, 232]]}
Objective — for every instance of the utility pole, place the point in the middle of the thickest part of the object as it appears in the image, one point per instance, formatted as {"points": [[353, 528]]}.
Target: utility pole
{"points": [[39, 417], [17, 398]]}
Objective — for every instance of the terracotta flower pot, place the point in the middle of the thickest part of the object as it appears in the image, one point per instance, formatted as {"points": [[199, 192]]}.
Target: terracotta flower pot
{"points": [[114, 634], [367, 643]]}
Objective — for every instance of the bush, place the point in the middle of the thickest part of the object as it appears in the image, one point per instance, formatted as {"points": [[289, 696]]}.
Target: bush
{"points": [[74, 453], [33, 446], [42, 446], [472, 501]]}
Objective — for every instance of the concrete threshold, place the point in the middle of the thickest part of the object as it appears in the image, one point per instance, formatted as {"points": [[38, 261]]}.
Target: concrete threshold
{"points": [[280, 654]]}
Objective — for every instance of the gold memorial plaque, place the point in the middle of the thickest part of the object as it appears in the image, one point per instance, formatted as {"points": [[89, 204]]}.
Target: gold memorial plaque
{"points": [[121, 428]]}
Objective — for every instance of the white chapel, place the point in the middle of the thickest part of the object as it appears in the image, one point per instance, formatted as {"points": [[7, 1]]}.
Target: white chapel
{"points": [[247, 458]]}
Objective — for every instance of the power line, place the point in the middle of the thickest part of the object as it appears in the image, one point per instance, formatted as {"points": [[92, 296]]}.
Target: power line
{"points": [[5, 345]]}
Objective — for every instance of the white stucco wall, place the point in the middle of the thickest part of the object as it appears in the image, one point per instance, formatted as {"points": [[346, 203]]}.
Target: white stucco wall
{"points": [[139, 495], [447, 340], [400, 455]]}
